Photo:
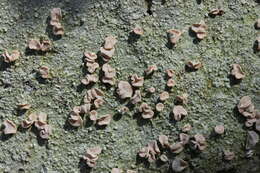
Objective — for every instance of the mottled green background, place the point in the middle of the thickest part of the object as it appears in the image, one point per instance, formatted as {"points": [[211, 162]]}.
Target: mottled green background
{"points": [[212, 97]]}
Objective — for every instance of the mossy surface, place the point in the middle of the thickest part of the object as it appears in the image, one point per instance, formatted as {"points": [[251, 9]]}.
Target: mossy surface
{"points": [[212, 95]]}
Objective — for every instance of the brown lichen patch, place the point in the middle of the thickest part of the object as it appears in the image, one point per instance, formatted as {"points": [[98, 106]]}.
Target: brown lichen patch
{"points": [[148, 114], [116, 170], [177, 147], [184, 138], [44, 72], [39, 45], [58, 29], [216, 12], [178, 165], [136, 97], [108, 49], [107, 54], [45, 131], [186, 128], [9, 127], [164, 141], [98, 102], [150, 152], [146, 111], [124, 90], [90, 63], [137, 81], [250, 122], [85, 108], [45, 45], [91, 156], [56, 16], [104, 120], [237, 71], [93, 94], [75, 120], [164, 96], [228, 155], [194, 65], [219, 129], [138, 31], [144, 107], [31, 119], [34, 45], [110, 42], [174, 36], [151, 69], [90, 56], [89, 78], [8, 58], [170, 83], [159, 107], [246, 107], [26, 124], [151, 90], [92, 66], [199, 142], [182, 99], [109, 74], [93, 115], [41, 120], [24, 106], [55, 21], [108, 81], [170, 73], [252, 139], [200, 29], [179, 112]]}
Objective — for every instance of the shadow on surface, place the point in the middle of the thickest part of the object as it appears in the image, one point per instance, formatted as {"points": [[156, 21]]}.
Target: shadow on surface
{"points": [[193, 35], [233, 81], [83, 167]]}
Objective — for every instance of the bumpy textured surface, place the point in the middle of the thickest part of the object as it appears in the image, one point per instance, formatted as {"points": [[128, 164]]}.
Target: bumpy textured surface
{"points": [[212, 97]]}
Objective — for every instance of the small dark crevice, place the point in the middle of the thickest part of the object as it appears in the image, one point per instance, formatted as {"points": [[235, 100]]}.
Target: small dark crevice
{"points": [[149, 6], [163, 2]]}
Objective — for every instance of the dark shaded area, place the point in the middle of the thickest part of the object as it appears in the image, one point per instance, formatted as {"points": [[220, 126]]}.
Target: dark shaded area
{"points": [[189, 69], [233, 81], [29, 52], [143, 161], [69, 127], [3, 65], [117, 116], [20, 112], [132, 38], [149, 6], [4, 137], [83, 167], [240, 118], [169, 45], [199, 1], [193, 35], [255, 47], [140, 121]]}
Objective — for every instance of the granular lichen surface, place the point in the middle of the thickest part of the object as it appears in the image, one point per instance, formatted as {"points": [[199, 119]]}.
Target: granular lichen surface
{"points": [[213, 96]]}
